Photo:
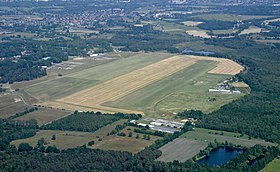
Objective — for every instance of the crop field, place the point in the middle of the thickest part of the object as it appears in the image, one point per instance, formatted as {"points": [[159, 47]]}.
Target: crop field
{"points": [[150, 83], [68, 139], [224, 66], [181, 149], [272, 166], [44, 115], [201, 134], [250, 30]]}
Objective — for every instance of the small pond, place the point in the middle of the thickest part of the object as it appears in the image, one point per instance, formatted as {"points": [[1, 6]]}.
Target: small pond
{"points": [[220, 156]]}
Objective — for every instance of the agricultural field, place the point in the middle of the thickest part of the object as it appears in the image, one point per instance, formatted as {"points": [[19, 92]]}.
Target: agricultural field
{"points": [[181, 149], [251, 30], [206, 135], [272, 166], [44, 115]]}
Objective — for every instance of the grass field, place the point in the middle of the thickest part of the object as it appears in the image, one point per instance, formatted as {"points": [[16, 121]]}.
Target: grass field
{"points": [[64, 139], [137, 83], [181, 149], [125, 143], [119, 143], [207, 135], [187, 89], [10, 105], [123, 85], [44, 115], [68, 139], [273, 166], [81, 79]]}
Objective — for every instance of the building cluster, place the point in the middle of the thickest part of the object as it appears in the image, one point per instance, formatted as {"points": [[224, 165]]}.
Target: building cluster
{"points": [[225, 87], [65, 20], [162, 125]]}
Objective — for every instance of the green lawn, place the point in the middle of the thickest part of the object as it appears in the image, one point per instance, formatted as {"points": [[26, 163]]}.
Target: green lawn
{"points": [[272, 166], [210, 135], [187, 89]]}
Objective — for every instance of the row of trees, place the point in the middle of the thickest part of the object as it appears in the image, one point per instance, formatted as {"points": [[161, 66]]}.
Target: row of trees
{"points": [[87, 121], [23, 113]]}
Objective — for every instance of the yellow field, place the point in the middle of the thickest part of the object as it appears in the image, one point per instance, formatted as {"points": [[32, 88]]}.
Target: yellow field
{"points": [[93, 98], [224, 66], [192, 23], [198, 33], [240, 85], [251, 29]]}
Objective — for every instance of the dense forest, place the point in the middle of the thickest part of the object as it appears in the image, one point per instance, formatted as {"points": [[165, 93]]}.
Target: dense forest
{"points": [[83, 159], [217, 25], [256, 114], [12, 130], [87, 121], [39, 158]]}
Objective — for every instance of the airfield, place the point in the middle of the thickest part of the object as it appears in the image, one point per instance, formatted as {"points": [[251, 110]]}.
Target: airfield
{"points": [[146, 83]]}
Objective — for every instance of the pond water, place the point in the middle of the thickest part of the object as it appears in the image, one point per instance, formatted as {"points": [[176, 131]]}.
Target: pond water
{"points": [[220, 156]]}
